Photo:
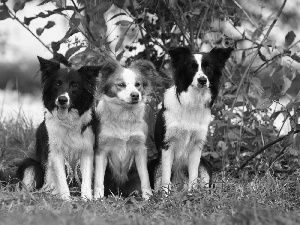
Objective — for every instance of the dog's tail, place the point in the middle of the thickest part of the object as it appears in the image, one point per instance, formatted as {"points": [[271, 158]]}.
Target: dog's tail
{"points": [[31, 173]]}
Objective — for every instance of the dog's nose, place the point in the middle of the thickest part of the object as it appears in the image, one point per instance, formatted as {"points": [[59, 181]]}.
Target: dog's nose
{"points": [[62, 100], [135, 96], [202, 80]]}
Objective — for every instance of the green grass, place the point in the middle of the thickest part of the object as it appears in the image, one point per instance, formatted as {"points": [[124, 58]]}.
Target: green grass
{"points": [[263, 200]]}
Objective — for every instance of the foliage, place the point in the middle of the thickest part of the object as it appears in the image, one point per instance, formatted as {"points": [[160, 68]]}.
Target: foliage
{"points": [[243, 121]]}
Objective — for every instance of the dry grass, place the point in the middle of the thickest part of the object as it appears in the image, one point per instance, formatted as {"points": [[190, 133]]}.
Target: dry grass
{"points": [[264, 200]]}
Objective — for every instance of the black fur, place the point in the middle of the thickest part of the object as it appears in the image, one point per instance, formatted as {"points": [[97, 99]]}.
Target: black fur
{"points": [[80, 85], [185, 67]]}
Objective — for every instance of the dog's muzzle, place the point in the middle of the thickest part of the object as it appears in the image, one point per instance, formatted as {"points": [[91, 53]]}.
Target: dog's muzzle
{"points": [[62, 101], [202, 81], [135, 97]]}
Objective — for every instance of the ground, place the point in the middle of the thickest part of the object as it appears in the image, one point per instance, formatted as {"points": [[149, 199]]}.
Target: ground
{"points": [[260, 200]]}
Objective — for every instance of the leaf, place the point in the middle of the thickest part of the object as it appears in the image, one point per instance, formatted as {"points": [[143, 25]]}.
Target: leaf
{"points": [[19, 6], [42, 15], [119, 43], [289, 38], [55, 46], [120, 55], [39, 31], [256, 34], [123, 23], [119, 14], [74, 22], [44, 2], [27, 20], [275, 92], [286, 84], [287, 141], [264, 104], [49, 24], [119, 3], [4, 14], [72, 51]]}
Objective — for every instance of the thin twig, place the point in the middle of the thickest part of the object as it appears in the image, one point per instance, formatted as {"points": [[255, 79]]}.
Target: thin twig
{"points": [[23, 25], [264, 148], [177, 23], [255, 54]]}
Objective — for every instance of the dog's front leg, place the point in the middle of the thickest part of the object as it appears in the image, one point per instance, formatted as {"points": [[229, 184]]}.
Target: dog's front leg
{"points": [[59, 173], [141, 165], [86, 167], [193, 165], [100, 167], [167, 162]]}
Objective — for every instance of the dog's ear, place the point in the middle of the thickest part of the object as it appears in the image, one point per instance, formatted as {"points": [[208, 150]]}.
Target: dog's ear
{"points": [[147, 69], [90, 73], [179, 54], [221, 54], [48, 66], [107, 68]]}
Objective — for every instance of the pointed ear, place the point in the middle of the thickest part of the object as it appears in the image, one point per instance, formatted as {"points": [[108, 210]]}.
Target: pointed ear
{"points": [[179, 54], [47, 66], [107, 68], [221, 54], [90, 73]]}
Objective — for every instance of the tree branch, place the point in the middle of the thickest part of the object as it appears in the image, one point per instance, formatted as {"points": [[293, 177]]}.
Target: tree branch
{"points": [[255, 54], [264, 148]]}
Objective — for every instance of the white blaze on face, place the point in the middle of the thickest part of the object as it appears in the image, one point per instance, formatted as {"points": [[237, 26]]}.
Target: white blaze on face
{"points": [[199, 73], [130, 79]]}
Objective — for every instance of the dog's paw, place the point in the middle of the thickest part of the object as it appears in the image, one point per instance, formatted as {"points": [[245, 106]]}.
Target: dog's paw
{"points": [[147, 193], [98, 193]]}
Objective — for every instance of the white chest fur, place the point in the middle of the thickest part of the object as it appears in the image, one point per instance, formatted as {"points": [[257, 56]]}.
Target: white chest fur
{"points": [[187, 121], [66, 136], [122, 129]]}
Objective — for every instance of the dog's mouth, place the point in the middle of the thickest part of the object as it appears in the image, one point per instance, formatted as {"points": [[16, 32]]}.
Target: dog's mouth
{"points": [[134, 102], [62, 112]]}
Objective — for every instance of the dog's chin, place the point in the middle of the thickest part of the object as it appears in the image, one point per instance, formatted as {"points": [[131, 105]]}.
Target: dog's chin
{"points": [[201, 86], [62, 112]]}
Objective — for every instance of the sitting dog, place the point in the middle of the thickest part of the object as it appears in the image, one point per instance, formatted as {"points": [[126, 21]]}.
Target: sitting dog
{"points": [[67, 134], [182, 123], [121, 159]]}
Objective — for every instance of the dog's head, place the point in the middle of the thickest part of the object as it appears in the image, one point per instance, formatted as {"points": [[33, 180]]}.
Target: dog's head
{"points": [[200, 71], [129, 85], [67, 88]]}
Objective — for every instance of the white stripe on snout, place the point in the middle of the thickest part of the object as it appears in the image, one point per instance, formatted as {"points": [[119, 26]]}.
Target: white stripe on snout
{"points": [[200, 72], [64, 94]]}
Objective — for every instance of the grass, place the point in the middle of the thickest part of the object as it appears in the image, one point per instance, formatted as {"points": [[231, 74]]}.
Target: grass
{"points": [[263, 200]]}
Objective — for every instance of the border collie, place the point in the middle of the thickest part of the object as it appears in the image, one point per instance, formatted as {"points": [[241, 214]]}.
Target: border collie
{"points": [[182, 123], [66, 137], [121, 159]]}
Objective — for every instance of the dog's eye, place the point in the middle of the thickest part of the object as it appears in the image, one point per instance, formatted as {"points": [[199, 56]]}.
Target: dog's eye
{"points": [[122, 85], [207, 68], [74, 85], [137, 84], [58, 83]]}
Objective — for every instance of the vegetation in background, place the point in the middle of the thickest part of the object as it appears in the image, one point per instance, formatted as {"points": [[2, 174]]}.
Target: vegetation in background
{"points": [[243, 124]]}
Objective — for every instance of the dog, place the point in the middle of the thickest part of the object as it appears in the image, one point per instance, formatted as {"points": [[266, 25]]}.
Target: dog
{"points": [[67, 134], [121, 159], [182, 123]]}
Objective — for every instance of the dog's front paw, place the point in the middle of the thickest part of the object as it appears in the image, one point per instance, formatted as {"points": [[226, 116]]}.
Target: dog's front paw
{"points": [[65, 197], [98, 193], [86, 195], [146, 194], [166, 188]]}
